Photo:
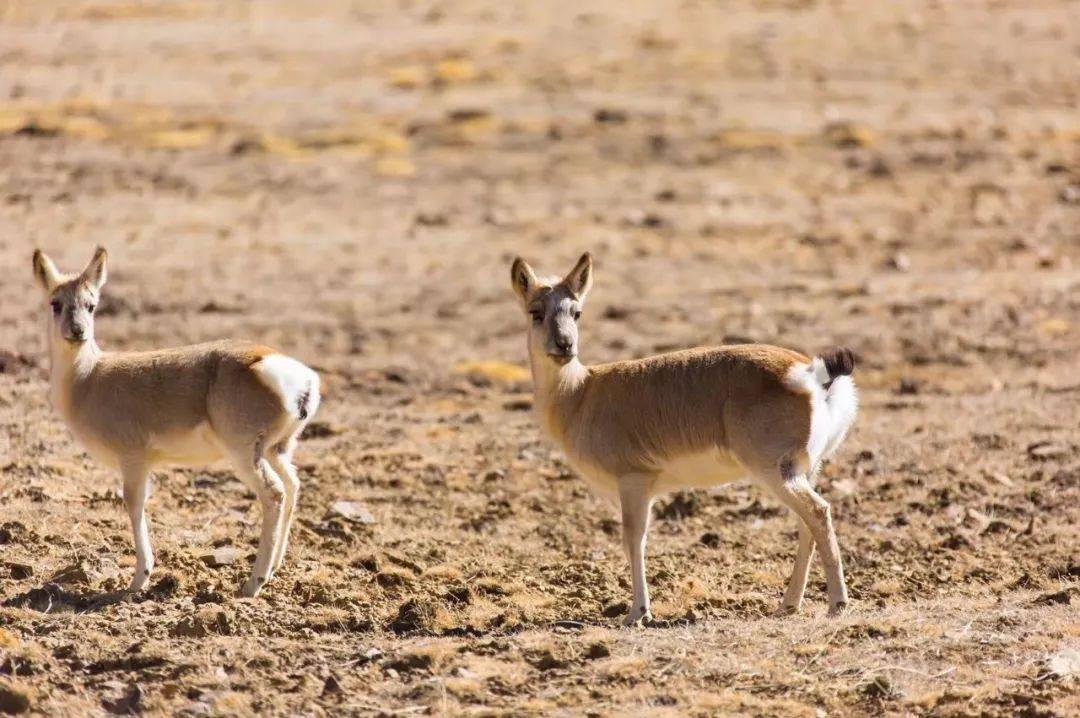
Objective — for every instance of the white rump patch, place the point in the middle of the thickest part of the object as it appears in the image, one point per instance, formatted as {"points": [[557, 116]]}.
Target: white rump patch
{"points": [[833, 409], [291, 381]]}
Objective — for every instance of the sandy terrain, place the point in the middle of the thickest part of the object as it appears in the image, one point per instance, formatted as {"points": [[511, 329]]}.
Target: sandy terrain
{"points": [[350, 184]]}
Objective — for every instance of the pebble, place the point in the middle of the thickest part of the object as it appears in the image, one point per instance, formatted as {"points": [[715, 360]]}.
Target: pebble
{"points": [[352, 511]]}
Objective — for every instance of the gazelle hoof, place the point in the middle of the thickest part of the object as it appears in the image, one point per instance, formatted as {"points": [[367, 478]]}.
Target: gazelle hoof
{"points": [[638, 617], [785, 610], [252, 587], [838, 608], [139, 581]]}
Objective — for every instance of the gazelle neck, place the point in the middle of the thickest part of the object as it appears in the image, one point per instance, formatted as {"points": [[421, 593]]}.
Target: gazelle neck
{"points": [[558, 388], [68, 365]]}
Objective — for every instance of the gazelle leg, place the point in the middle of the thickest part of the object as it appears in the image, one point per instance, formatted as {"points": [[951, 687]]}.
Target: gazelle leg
{"points": [[255, 471], [636, 501], [804, 555], [136, 492], [281, 462], [797, 494]]}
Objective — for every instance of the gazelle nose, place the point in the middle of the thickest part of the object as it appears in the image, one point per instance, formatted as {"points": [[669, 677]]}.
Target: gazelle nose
{"points": [[564, 344]]}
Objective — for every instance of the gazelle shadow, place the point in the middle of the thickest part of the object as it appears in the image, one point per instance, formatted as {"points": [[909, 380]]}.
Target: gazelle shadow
{"points": [[53, 598]]}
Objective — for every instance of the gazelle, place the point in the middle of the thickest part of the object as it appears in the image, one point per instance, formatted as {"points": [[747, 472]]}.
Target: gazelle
{"points": [[689, 419], [189, 406]]}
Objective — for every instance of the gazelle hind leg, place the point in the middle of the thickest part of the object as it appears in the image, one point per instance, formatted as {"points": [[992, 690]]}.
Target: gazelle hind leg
{"points": [[136, 492], [281, 462], [796, 492], [804, 555], [254, 470]]}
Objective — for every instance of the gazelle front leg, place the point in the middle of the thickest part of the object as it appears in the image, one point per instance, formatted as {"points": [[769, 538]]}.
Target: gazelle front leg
{"points": [[636, 500], [136, 491]]}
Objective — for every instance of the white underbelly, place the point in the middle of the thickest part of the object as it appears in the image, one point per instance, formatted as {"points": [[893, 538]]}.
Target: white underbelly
{"points": [[701, 470], [198, 446]]}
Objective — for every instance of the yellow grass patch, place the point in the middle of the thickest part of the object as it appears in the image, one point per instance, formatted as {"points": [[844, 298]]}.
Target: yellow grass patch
{"points": [[496, 371], [395, 167], [456, 71], [1054, 327], [408, 77], [886, 587], [628, 668]]}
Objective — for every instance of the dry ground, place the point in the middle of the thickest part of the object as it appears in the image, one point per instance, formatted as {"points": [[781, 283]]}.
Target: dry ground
{"points": [[350, 183]]}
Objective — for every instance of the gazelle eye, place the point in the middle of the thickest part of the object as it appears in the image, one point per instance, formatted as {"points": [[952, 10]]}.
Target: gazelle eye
{"points": [[91, 307], [577, 315], [537, 316], [56, 306]]}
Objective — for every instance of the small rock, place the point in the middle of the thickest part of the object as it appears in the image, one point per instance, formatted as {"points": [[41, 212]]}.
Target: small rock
{"points": [[907, 387], [411, 662], [130, 703], [518, 404], [431, 219], [331, 686], [545, 660], [845, 135], [607, 115], [19, 571], [223, 556], [1044, 450], [74, 574], [899, 262], [879, 168], [1063, 596], [352, 511], [710, 539], [14, 699], [614, 610], [1070, 194], [1065, 663], [597, 650]]}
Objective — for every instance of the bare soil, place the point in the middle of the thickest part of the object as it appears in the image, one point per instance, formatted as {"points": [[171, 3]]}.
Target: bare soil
{"points": [[349, 181]]}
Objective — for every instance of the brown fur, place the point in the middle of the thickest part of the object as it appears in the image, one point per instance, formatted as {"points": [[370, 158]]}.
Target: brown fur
{"points": [[203, 382], [629, 415]]}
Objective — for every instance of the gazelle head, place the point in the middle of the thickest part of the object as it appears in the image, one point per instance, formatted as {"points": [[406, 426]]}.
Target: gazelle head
{"points": [[71, 299], [553, 306]]}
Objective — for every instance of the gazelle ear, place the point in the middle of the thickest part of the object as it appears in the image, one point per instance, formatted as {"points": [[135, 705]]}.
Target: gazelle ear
{"points": [[45, 272], [95, 272], [523, 279], [580, 277]]}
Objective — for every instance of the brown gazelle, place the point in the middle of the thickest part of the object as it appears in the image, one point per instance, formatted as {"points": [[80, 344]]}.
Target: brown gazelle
{"points": [[696, 418], [188, 406]]}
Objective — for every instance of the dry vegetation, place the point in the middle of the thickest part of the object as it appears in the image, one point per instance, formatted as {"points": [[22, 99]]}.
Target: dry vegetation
{"points": [[350, 184]]}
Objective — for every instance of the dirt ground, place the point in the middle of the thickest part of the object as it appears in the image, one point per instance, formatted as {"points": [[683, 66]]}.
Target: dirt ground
{"points": [[349, 181]]}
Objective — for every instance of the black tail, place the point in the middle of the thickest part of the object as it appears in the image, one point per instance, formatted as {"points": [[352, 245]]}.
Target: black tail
{"points": [[838, 362], [303, 402]]}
